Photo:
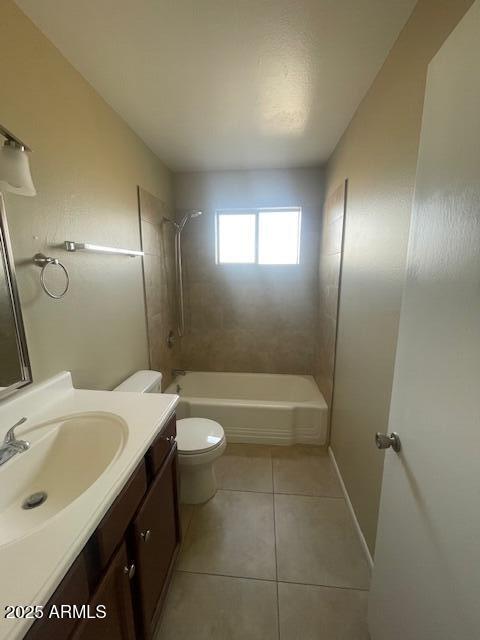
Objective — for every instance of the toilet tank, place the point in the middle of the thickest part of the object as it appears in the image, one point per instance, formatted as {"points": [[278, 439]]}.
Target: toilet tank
{"points": [[146, 381]]}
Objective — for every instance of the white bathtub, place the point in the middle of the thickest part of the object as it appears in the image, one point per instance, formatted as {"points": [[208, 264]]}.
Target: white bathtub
{"points": [[255, 407]]}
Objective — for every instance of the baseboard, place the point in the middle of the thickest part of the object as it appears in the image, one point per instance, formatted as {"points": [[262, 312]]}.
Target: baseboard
{"points": [[360, 535]]}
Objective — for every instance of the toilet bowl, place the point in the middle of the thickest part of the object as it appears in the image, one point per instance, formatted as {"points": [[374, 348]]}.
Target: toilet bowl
{"points": [[199, 443]]}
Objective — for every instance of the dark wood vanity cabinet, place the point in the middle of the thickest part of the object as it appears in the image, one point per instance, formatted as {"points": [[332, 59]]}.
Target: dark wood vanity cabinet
{"points": [[72, 590], [112, 596], [154, 541], [127, 564]]}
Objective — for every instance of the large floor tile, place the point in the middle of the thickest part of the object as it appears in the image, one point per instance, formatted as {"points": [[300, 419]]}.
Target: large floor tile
{"points": [[304, 470], [322, 613], [232, 534], [203, 607], [317, 544], [245, 467]]}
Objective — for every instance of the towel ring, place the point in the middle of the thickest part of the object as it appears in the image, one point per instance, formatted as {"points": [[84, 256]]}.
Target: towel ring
{"points": [[43, 261]]}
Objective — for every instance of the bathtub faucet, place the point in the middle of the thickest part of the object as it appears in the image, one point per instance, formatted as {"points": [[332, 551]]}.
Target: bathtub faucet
{"points": [[178, 372]]}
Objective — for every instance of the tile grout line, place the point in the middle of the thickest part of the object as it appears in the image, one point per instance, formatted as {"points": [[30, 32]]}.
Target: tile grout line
{"points": [[275, 547], [283, 493], [224, 575], [300, 584], [324, 586]]}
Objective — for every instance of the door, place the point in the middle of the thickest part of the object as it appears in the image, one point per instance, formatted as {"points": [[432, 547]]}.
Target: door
{"points": [[155, 537], [114, 594], [426, 581]]}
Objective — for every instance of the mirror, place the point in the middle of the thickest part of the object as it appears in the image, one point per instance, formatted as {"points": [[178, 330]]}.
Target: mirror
{"points": [[15, 369]]}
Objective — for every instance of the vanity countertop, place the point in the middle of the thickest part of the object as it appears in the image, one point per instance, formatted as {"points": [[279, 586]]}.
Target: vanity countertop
{"points": [[32, 567]]}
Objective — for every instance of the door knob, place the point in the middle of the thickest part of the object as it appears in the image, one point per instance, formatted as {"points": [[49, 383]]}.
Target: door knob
{"points": [[129, 571], [385, 441], [146, 535]]}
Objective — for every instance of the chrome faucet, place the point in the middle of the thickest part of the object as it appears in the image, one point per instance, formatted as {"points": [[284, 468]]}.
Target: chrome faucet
{"points": [[10, 445], [178, 372]]}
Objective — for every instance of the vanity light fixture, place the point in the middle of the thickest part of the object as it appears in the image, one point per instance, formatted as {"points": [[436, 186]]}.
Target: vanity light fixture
{"points": [[15, 173]]}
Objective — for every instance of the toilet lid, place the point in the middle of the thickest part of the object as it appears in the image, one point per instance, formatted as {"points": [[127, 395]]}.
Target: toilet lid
{"points": [[198, 434]]}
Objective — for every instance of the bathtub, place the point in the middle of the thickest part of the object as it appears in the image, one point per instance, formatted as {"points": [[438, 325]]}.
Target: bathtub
{"points": [[255, 407]]}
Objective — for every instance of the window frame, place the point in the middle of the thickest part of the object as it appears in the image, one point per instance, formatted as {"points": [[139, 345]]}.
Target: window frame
{"points": [[256, 211]]}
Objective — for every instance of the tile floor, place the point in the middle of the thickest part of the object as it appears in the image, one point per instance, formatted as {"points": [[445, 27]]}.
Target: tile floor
{"points": [[272, 556]]}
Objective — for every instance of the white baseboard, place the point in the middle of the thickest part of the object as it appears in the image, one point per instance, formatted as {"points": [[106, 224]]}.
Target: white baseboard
{"points": [[360, 535]]}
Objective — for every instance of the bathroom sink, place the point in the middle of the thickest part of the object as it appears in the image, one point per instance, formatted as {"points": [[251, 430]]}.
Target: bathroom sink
{"points": [[66, 456]]}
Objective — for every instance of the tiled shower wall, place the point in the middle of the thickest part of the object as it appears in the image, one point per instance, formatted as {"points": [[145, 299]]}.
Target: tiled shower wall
{"points": [[253, 318], [328, 285], [159, 280]]}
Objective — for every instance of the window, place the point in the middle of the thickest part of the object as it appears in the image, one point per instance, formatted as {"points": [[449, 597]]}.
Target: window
{"points": [[258, 236], [236, 238]]}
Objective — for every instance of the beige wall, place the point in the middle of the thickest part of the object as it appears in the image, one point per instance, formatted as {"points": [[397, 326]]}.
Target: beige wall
{"points": [[86, 164], [330, 264], [249, 317], [378, 154], [158, 243]]}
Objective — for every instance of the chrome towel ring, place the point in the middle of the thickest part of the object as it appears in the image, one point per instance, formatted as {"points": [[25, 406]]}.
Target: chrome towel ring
{"points": [[43, 261]]}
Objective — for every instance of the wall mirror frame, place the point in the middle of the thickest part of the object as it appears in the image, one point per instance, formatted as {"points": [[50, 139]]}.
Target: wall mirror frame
{"points": [[23, 373]]}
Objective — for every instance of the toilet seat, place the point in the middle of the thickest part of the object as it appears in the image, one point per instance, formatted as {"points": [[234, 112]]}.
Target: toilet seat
{"points": [[198, 436]]}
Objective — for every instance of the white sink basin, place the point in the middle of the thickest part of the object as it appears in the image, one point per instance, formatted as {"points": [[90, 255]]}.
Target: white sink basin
{"points": [[66, 457]]}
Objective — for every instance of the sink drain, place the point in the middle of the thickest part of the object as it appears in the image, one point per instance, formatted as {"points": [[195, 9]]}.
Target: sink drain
{"points": [[34, 500]]}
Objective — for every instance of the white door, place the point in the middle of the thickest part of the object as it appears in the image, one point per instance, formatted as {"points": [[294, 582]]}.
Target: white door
{"points": [[426, 581]]}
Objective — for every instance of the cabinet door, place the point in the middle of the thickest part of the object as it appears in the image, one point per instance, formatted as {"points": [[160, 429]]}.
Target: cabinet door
{"points": [[156, 534], [111, 530], [115, 594], [161, 447], [73, 590]]}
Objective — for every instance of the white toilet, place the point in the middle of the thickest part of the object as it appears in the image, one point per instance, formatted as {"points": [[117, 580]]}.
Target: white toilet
{"points": [[199, 441]]}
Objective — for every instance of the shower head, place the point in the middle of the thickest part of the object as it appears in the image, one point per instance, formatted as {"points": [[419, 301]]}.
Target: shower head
{"points": [[188, 216], [179, 225]]}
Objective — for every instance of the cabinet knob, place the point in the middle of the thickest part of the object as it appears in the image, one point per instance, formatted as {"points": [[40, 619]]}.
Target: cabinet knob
{"points": [[146, 535], [129, 571], [170, 439]]}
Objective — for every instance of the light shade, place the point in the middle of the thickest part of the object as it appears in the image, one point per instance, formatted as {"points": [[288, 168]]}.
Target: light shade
{"points": [[15, 173]]}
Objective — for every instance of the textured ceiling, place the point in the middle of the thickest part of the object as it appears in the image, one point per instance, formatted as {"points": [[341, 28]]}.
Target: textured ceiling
{"points": [[217, 84]]}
